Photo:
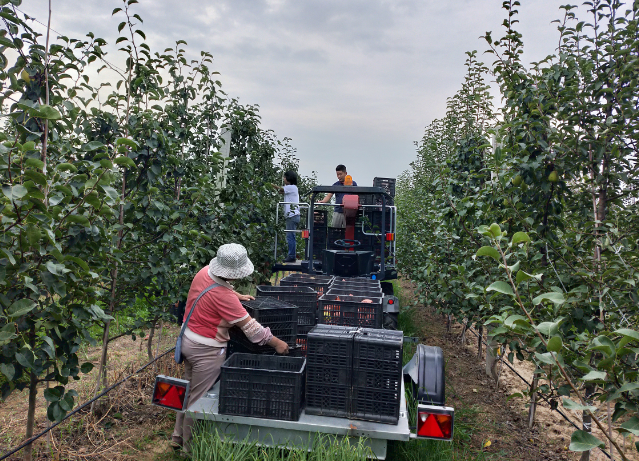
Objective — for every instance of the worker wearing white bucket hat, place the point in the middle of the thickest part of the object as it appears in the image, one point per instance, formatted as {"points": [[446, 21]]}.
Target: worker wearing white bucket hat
{"points": [[217, 309]]}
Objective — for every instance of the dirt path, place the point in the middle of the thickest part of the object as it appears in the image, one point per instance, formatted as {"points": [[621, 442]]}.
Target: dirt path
{"points": [[502, 421]]}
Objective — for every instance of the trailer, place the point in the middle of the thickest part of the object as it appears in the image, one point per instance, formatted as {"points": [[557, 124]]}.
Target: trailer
{"points": [[364, 255]]}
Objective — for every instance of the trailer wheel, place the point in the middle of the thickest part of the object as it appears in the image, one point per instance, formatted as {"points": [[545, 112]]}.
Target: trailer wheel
{"points": [[391, 321]]}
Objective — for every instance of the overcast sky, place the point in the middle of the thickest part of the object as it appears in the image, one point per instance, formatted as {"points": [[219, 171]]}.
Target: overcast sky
{"points": [[350, 81]]}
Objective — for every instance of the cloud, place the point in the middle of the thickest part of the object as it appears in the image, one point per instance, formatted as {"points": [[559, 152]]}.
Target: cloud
{"points": [[350, 81]]}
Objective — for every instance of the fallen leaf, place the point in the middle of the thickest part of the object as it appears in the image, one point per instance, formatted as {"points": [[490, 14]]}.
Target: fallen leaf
{"points": [[487, 443]]}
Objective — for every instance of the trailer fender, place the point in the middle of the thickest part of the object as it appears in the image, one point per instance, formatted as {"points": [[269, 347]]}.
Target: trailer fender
{"points": [[424, 375]]}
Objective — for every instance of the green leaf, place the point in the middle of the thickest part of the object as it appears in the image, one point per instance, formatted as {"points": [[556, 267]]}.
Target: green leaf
{"points": [[495, 230], [35, 163], [549, 328], [488, 251], [523, 276], [127, 142], [86, 367], [603, 344], [584, 441], [8, 370], [4, 41], [511, 320], [19, 191], [632, 426], [66, 167], [36, 177], [501, 287], [553, 296], [8, 332], [628, 333], [125, 161], [78, 261], [92, 145], [53, 394], [519, 237], [572, 405], [79, 219], [56, 269], [25, 358], [594, 376], [48, 113], [49, 343], [21, 307], [554, 344], [546, 358]]}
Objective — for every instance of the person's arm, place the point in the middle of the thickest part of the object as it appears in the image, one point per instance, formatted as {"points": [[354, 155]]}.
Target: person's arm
{"points": [[257, 334], [327, 198], [280, 189]]}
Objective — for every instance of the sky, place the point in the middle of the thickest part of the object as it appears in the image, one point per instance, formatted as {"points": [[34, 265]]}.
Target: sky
{"points": [[351, 82]]}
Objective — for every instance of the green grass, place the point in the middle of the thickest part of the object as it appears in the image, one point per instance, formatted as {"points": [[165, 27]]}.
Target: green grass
{"points": [[208, 445]]}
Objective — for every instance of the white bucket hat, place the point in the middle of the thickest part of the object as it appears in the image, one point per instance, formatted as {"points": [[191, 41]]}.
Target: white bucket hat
{"points": [[231, 262]]}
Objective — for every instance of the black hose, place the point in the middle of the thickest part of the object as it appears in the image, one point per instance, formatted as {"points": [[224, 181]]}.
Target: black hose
{"points": [[109, 389]]}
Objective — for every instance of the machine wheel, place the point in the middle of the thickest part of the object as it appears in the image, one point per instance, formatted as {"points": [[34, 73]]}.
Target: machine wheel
{"points": [[391, 321]]}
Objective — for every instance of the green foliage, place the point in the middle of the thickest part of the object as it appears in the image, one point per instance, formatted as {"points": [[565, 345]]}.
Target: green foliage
{"points": [[114, 196], [562, 181]]}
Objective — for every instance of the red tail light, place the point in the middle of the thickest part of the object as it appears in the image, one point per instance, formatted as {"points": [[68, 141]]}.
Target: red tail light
{"points": [[390, 237], [305, 233], [170, 392], [435, 422]]}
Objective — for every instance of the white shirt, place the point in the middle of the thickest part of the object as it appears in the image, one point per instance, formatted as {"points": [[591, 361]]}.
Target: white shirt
{"points": [[291, 195]]}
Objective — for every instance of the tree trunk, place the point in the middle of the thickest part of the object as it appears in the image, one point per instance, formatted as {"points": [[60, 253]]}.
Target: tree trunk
{"points": [[532, 411], [149, 344], [103, 363], [587, 420], [479, 341], [491, 357], [33, 392]]}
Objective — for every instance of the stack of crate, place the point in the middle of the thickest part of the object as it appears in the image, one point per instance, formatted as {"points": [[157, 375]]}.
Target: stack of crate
{"points": [[354, 373], [352, 302], [320, 225], [305, 298], [280, 316]]}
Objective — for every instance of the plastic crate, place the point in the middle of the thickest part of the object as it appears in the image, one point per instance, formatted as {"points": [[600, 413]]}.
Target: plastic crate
{"points": [[302, 333], [388, 184], [320, 218], [337, 310], [344, 283], [319, 283], [377, 375], [240, 344], [329, 359], [357, 291], [305, 298], [279, 316], [262, 386]]}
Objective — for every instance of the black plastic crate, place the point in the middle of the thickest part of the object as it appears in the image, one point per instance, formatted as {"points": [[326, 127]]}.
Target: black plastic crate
{"points": [[262, 386], [319, 283], [377, 374], [279, 316], [302, 332], [373, 220], [241, 344], [329, 367], [320, 218], [377, 405], [388, 184], [337, 310], [345, 283], [305, 298], [357, 291]]}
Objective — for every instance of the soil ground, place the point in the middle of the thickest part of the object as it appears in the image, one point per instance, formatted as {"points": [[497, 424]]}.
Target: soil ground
{"points": [[128, 427]]}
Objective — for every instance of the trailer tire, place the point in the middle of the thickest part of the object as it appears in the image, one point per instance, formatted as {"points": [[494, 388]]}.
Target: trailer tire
{"points": [[391, 321]]}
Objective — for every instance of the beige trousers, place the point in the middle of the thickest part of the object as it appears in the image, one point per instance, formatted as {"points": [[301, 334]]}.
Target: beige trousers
{"points": [[202, 366]]}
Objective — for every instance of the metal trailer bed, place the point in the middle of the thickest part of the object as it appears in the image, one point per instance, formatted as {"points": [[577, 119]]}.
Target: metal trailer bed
{"points": [[301, 433]]}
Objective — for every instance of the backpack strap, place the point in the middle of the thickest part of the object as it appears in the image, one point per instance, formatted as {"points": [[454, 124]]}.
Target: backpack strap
{"points": [[194, 303]]}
